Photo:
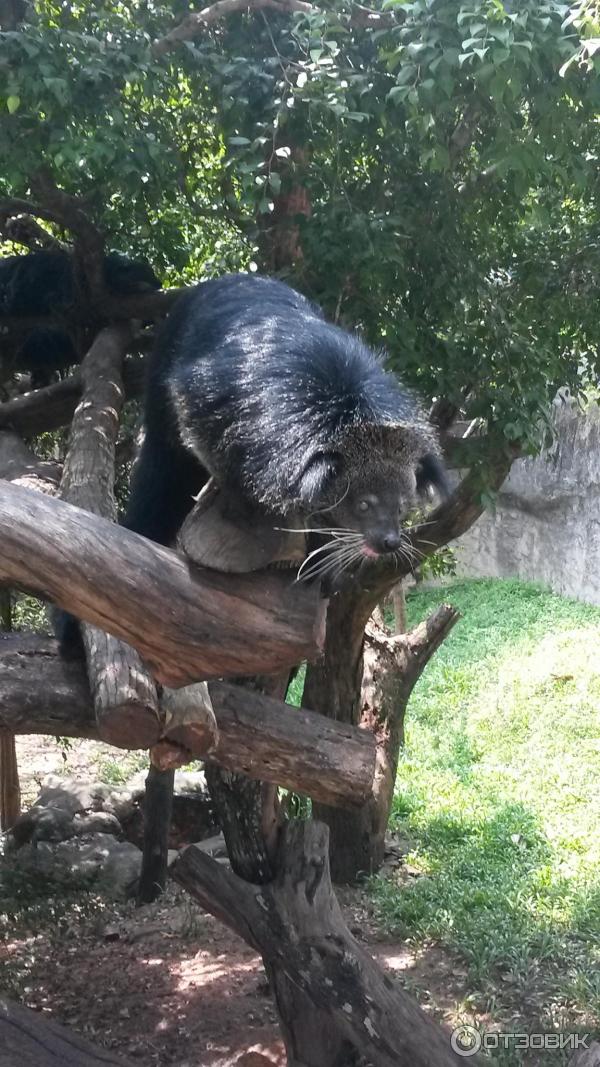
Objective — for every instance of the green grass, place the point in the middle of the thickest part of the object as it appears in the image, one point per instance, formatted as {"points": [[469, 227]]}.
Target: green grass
{"points": [[498, 793]]}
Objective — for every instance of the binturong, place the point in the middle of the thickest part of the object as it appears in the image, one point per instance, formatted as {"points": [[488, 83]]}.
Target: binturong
{"points": [[294, 424]]}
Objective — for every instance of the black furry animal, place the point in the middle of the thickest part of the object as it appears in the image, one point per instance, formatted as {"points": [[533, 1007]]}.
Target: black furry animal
{"points": [[42, 283], [294, 418]]}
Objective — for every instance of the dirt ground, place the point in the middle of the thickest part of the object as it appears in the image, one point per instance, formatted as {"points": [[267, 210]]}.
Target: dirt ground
{"points": [[166, 984]]}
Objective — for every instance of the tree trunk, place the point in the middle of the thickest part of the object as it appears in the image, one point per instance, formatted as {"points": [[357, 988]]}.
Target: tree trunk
{"points": [[10, 789], [158, 805], [392, 666], [296, 924], [248, 810], [334, 683]]}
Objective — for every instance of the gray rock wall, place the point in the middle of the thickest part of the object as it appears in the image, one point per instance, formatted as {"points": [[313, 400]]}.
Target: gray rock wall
{"points": [[547, 523]]}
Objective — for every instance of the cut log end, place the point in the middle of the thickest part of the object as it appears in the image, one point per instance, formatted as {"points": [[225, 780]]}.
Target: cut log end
{"points": [[169, 756], [189, 718], [129, 725]]}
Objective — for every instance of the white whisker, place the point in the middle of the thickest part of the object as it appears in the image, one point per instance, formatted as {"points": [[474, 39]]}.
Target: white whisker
{"points": [[340, 558], [322, 567]]}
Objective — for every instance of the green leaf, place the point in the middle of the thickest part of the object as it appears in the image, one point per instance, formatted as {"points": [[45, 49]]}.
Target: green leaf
{"points": [[13, 104]]}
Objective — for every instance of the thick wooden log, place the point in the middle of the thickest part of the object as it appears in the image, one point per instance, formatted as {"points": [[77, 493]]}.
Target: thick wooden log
{"points": [[296, 924], [124, 695], [42, 693], [188, 624], [28, 1039]]}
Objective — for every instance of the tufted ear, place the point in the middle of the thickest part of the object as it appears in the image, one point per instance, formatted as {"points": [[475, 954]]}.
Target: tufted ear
{"points": [[317, 476], [431, 474]]}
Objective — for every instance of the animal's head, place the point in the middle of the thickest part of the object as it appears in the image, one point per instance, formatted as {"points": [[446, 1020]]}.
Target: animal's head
{"points": [[369, 485], [129, 276]]}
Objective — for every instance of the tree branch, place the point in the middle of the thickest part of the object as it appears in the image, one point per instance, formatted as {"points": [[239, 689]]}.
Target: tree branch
{"points": [[199, 21], [188, 623], [42, 692], [24, 230], [53, 406], [196, 23]]}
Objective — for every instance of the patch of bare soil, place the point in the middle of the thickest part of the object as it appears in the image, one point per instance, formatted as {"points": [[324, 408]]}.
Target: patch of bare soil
{"points": [[166, 984], [39, 756]]}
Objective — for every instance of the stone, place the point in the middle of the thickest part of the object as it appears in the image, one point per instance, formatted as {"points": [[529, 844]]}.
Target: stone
{"points": [[71, 795], [97, 822], [40, 824], [113, 866], [545, 525]]}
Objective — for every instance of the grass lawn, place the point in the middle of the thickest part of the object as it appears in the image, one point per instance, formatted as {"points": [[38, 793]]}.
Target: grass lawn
{"points": [[498, 795]]}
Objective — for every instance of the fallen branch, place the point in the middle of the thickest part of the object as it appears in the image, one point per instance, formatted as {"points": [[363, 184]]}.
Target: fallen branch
{"points": [[32, 1040]]}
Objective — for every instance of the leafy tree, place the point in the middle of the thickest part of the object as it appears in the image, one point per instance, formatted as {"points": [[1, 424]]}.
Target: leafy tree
{"points": [[426, 170]]}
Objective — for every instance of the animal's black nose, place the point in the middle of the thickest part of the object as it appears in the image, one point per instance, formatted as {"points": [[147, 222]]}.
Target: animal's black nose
{"points": [[391, 542]]}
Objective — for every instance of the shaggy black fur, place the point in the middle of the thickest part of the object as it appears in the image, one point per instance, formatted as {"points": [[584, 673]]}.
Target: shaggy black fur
{"points": [[42, 283], [291, 414]]}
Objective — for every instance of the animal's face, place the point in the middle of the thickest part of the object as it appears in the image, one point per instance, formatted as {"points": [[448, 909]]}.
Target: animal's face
{"points": [[361, 501], [375, 505]]}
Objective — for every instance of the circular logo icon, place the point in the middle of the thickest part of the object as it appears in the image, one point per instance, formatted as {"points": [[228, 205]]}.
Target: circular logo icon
{"points": [[466, 1040]]}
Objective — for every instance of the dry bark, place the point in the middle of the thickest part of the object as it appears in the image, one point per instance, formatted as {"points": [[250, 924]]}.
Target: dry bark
{"points": [[296, 924], [123, 692], [41, 692], [31, 1040], [188, 624], [334, 683]]}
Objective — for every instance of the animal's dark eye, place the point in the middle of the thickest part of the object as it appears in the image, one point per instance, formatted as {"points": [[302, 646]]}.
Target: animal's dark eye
{"points": [[364, 505]]}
